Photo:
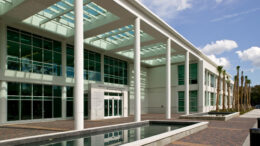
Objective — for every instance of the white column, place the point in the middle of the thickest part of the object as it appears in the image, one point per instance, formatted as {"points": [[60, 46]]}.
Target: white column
{"points": [[187, 85], [201, 96], [102, 68], [137, 67], [3, 102], [168, 80], [79, 65], [3, 49], [64, 60], [64, 75], [64, 101]]}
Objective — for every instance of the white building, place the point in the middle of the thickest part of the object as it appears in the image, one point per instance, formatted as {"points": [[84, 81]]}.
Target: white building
{"points": [[37, 62]]}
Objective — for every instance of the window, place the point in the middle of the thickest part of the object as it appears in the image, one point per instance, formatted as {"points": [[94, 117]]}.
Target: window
{"points": [[92, 64], [115, 71], [33, 101], [181, 101], [193, 74], [193, 101], [212, 99], [206, 98], [70, 101], [212, 81], [193, 95], [32, 53]]}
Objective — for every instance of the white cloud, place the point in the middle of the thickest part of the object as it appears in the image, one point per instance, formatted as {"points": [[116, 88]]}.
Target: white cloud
{"points": [[234, 15], [219, 1], [220, 61], [252, 54], [167, 8], [219, 47]]}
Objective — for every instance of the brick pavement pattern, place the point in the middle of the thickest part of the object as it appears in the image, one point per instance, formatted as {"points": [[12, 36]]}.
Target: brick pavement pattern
{"points": [[219, 133], [232, 132]]}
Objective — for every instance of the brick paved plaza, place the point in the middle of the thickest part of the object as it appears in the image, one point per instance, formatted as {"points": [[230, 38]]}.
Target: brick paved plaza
{"points": [[232, 132]]}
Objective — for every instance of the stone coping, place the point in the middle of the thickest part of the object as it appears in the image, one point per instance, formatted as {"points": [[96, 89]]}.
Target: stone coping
{"points": [[168, 137], [199, 116], [55, 137]]}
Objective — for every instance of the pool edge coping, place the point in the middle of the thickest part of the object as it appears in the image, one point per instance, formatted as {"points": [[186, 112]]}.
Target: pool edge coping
{"points": [[197, 117], [65, 134], [171, 134]]}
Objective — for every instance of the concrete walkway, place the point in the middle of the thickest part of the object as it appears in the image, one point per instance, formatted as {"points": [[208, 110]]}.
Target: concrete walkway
{"points": [[230, 133], [252, 114]]}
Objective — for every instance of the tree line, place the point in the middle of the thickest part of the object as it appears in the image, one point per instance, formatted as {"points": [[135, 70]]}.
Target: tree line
{"points": [[241, 100]]}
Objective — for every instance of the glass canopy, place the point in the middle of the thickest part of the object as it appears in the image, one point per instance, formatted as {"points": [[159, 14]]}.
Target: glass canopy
{"points": [[59, 18], [5, 5], [162, 60], [117, 38]]}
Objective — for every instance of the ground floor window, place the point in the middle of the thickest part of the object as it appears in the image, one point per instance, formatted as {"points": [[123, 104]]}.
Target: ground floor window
{"points": [[70, 103], [33, 101], [193, 107]]}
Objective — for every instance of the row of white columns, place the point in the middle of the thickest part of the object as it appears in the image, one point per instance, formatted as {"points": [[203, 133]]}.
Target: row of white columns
{"points": [[137, 68], [79, 84]]}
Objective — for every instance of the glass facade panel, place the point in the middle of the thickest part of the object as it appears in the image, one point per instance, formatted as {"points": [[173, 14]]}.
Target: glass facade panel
{"points": [[92, 64], [193, 101], [69, 107], [115, 107], [212, 99], [212, 81], [33, 101], [106, 107], [120, 107], [13, 107], [32, 53], [181, 101], [110, 107], [115, 71], [193, 76]]}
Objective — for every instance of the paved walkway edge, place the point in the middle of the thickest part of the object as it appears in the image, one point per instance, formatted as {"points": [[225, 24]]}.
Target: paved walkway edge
{"points": [[247, 141]]}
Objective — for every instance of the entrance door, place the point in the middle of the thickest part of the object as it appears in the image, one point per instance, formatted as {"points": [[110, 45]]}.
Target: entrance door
{"points": [[113, 104]]}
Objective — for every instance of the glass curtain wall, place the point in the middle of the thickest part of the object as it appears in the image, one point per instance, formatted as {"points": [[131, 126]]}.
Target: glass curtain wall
{"points": [[193, 74], [32, 53], [33, 101], [92, 64], [115, 71], [70, 104]]}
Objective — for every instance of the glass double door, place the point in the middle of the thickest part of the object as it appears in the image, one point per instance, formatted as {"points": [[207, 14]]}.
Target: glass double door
{"points": [[112, 107]]}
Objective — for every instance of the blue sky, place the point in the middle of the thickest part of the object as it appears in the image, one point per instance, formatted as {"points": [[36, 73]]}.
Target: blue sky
{"points": [[228, 31]]}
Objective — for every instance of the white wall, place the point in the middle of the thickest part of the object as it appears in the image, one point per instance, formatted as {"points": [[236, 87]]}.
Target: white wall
{"points": [[144, 91]]}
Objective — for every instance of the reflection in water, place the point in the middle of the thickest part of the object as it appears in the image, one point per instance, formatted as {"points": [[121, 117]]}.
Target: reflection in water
{"points": [[138, 133], [79, 142], [118, 137]]}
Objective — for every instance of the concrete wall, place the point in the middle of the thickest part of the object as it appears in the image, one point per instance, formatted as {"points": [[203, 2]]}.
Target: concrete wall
{"points": [[144, 91], [157, 91]]}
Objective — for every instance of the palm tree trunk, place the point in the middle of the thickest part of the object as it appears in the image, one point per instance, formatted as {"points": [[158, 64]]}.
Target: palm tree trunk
{"points": [[228, 99], [224, 93], [218, 90]]}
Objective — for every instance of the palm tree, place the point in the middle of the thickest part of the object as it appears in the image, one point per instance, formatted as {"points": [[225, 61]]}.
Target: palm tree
{"points": [[249, 92], [219, 68], [246, 93], [241, 90], [224, 90], [228, 89], [234, 101], [237, 90]]}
